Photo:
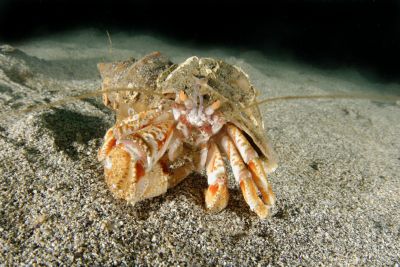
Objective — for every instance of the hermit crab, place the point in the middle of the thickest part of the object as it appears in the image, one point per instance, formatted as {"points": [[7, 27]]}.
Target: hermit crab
{"points": [[174, 119]]}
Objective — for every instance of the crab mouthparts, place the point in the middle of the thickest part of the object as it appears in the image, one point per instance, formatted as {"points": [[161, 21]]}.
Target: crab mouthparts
{"points": [[193, 110]]}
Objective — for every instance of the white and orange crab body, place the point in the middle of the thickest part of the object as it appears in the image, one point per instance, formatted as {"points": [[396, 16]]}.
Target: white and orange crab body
{"points": [[186, 118]]}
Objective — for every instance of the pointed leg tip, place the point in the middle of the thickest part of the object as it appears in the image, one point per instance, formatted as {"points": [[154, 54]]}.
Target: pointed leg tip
{"points": [[216, 201], [263, 211], [272, 200], [272, 167], [269, 199]]}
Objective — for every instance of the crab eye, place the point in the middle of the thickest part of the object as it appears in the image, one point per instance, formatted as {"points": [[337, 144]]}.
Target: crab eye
{"points": [[206, 97], [170, 96]]}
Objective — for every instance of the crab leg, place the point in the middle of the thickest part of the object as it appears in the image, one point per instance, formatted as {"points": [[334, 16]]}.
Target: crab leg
{"points": [[254, 162], [216, 196], [244, 178], [175, 147]]}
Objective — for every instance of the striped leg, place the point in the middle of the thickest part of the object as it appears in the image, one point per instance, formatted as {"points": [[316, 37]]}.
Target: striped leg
{"points": [[216, 196], [244, 177], [254, 163]]}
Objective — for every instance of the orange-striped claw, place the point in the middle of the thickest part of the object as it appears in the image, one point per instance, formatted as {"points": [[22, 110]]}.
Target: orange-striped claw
{"points": [[131, 167], [216, 196]]}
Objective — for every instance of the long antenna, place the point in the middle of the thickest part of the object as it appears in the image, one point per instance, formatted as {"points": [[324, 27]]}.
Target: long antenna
{"points": [[337, 96], [74, 98], [110, 42], [149, 92]]}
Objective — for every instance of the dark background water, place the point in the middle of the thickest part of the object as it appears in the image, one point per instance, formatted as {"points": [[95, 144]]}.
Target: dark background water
{"points": [[328, 34]]}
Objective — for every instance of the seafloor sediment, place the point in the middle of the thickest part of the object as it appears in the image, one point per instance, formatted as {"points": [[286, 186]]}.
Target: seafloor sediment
{"points": [[337, 185]]}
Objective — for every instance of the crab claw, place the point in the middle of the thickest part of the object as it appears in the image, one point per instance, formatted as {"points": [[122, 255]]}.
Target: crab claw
{"points": [[108, 144], [131, 162], [122, 175]]}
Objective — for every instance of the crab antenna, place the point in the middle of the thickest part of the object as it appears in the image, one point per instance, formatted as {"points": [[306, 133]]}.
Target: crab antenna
{"points": [[338, 96], [200, 104], [98, 92], [110, 47], [69, 99]]}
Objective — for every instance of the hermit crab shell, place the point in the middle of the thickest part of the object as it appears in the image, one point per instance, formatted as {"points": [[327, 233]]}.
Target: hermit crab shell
{"points": [[160, 80], [138, 75]]}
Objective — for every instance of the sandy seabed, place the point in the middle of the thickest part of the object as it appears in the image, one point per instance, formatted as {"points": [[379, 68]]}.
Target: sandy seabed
{"points": [[337, 185]]}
